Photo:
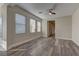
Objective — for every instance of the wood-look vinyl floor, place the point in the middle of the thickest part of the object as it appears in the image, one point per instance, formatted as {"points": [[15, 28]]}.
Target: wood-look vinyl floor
{"points": [[46, 47]]}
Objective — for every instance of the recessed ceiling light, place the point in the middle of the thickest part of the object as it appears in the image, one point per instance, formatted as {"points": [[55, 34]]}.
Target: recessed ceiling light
{"points": [[40, 12]]}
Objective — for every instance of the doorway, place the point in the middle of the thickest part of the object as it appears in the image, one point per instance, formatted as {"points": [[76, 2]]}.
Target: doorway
{"points": [[51, 28]]}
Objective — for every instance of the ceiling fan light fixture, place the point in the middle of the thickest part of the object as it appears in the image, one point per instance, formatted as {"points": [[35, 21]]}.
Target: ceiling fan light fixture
{"points": [[52, 12]]}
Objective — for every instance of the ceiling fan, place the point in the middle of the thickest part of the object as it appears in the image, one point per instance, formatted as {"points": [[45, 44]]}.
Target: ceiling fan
{"points": [[52, 10]]}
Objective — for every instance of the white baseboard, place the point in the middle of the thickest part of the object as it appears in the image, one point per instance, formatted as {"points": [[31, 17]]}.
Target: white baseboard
{"points": [[64, 38], [76, 42]]}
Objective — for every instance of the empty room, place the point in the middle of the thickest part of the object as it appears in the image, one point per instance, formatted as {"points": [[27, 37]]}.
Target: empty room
{"points": [[39, 29]]}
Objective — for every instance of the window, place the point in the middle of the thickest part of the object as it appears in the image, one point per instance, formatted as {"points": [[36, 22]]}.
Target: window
{"points": [[38, 26], [32, 25], [20, 24]]}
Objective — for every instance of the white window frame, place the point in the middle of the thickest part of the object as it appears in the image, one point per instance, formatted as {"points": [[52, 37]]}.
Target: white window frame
{"points": [[16, 23], [30, 25], [37, 26]]}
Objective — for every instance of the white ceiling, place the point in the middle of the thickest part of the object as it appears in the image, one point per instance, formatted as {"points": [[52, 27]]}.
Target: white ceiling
{"points": [[62, 9]]}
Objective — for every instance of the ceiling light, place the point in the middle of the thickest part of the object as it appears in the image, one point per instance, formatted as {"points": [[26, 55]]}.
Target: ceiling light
{"points": [[51, 12], [40, 12]]}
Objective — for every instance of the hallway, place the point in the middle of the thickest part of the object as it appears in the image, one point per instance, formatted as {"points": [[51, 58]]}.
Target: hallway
{"points": [[46, 47]]}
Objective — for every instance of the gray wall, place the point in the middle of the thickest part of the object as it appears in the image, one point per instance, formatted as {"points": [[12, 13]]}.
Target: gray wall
{"points": [[4, 26], [44, 28], [63, 28], [75, 26], [12, 38]]}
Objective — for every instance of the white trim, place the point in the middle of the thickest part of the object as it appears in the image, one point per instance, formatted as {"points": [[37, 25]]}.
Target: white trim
{"points": [[76, 42], [65, 38]]}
